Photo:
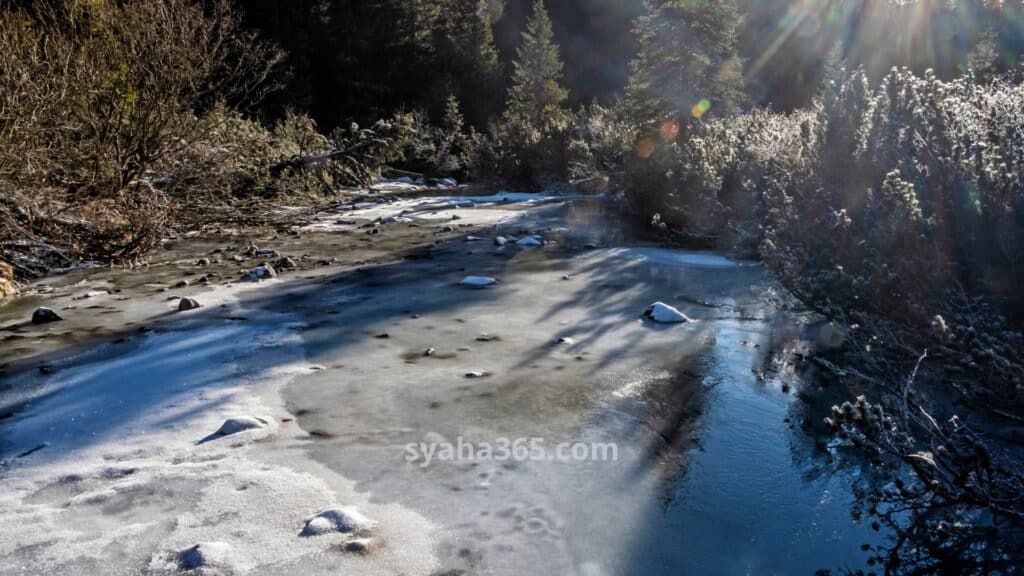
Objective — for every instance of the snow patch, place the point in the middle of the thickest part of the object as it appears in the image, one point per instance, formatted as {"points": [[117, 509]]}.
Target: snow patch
{"points": [[209, 557], [529, 242], [478, 281], [122, 482], [669, 257], [237, 425]]}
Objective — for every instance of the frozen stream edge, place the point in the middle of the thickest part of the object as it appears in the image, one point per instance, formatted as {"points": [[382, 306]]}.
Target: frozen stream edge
{"points": [[124, 484]]}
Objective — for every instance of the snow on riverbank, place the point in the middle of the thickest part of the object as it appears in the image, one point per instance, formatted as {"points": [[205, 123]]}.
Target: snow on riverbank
{"points": [[126, 473], [477, 210], [669, 257]]}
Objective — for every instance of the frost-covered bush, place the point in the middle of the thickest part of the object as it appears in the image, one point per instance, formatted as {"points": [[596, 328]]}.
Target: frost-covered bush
{"points": [[708, 183], [447, 149], [915, 189], [597, 139]]}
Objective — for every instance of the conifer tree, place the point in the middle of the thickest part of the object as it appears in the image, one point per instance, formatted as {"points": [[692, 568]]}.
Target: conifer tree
{"points": [[536, 97], [686, 64], [466, 54]]}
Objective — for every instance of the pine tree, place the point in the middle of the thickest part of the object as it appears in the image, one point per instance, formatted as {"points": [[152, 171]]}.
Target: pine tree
{"points": [[686, 64], [453, 121], [536, 97], [467, 57]]}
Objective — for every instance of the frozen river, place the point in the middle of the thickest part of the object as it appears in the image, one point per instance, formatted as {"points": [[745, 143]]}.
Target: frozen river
{"points": [[617, 445]]}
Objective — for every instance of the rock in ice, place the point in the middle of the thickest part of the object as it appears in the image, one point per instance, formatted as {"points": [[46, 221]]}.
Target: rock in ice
{"points": [[345, 520], [661, 312]]}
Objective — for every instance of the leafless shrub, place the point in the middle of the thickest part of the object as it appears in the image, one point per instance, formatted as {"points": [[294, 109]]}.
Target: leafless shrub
{"points": [[97, 96]]}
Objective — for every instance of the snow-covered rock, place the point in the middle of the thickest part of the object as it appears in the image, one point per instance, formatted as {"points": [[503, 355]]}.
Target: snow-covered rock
{"points": [[449, 182], [663, 313], [478, 281], [529, 242], [207, 556], [240, 424], [262, 272], [403, 180], [345, 520], [500, 241]]}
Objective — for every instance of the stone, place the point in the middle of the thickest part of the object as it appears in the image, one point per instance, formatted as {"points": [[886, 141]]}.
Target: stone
{"points": [[262, 272], [346, 520], [186, 304], [45, 316], [285, 263], [665, 314]]}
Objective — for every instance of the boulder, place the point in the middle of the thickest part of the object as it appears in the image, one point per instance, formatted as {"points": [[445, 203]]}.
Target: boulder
{"points": [[45, 316], [285, 263], [529, 242], [665, 314], [186, 304]]}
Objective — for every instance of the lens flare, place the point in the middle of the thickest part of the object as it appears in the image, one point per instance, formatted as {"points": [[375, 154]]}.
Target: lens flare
{"points": [[645, 147], [701, 108], [668, 130]]}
